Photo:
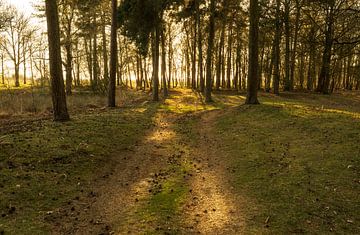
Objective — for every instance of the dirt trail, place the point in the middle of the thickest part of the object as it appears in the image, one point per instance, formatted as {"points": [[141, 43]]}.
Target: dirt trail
{"points": [[218, 206], [209, 207]]}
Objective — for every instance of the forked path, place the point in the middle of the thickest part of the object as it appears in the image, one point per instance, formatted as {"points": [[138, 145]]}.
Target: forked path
{"points": [[174, 182]]}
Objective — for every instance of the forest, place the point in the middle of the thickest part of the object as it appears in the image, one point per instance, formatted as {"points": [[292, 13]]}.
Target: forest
{"points": [[180, 117]]}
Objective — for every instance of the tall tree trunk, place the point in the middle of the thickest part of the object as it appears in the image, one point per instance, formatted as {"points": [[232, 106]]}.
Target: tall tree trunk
{"points": [[17, 74], [31, 66], [156, 54], [229, 58], [2, 69], [253, 74], [287, 83], [88, 52], [295, 44], [324, 78], [163, 61], [220, 58], [237, 82], [311, 76], [104, 49], [68, 67], [57, 80], [200, 49], [113, 56], [95, 57], [276, 79], [170, 58], [193, 66], [208, 82], [24, 58]]}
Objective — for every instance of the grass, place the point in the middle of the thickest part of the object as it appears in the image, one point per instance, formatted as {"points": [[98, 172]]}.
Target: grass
{"points": [[46, 165], [295, 158], [164, 206], [297, 162], [36, 101]]}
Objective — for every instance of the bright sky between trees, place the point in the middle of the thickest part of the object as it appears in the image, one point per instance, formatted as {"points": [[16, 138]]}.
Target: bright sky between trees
{"points": [[24, 5]]}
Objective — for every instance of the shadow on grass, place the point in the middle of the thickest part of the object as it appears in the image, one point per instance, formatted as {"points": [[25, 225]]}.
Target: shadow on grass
{"points": [[54, 165], [299, 164]]}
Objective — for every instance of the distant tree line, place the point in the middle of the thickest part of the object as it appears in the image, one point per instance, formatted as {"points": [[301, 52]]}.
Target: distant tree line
{"points": [[205, 45]]}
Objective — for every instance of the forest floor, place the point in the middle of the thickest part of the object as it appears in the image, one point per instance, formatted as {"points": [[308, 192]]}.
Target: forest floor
{"points": [[290, 165]]}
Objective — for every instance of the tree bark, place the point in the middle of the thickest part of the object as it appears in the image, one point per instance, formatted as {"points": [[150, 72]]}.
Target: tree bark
{"points": [[324, 78], [113, 56], [156, 54], [253, 75], [287, 83], [57, 80], [163, 61], [210, 52], [276, 79]]}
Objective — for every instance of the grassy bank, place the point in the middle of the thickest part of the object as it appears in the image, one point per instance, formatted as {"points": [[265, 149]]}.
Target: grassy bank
{"points": [[297, 160]]}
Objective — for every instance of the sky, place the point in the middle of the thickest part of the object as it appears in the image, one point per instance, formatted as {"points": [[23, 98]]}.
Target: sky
{"points": [[23, 5], [26, 6]]}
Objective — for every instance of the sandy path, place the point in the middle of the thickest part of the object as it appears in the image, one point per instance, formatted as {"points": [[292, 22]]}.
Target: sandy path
{"points": [[211, 207]]}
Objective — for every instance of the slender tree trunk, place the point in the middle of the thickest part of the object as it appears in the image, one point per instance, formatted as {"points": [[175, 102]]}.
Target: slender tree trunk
{"points": [[68, 67], [89, 59], [324, 78], [276, 79], [208, 82], [57, 80], [220, 61], [170, 58], [311, 76], [95, 56], [287, 83], [193, 66], [31, 66], [2, 69], [156, 64], [253, 74], [17, 74], [295, 45], [24, 58], [200, 49], [113, 56], [229, 58], [163, 61], [104, 49]]}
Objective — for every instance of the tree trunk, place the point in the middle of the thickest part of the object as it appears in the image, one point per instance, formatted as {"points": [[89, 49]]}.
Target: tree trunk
{"points": [[200, 50], [287, 83], [2, 69], [324, 78], [193, 66], [210, 52], [156, 53], [95, 57], [253, 74], [68, 67], [229, 58], [276, 79], [104, 50], [294, 52], [57, 80], [113, 56], [163, 61]]}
